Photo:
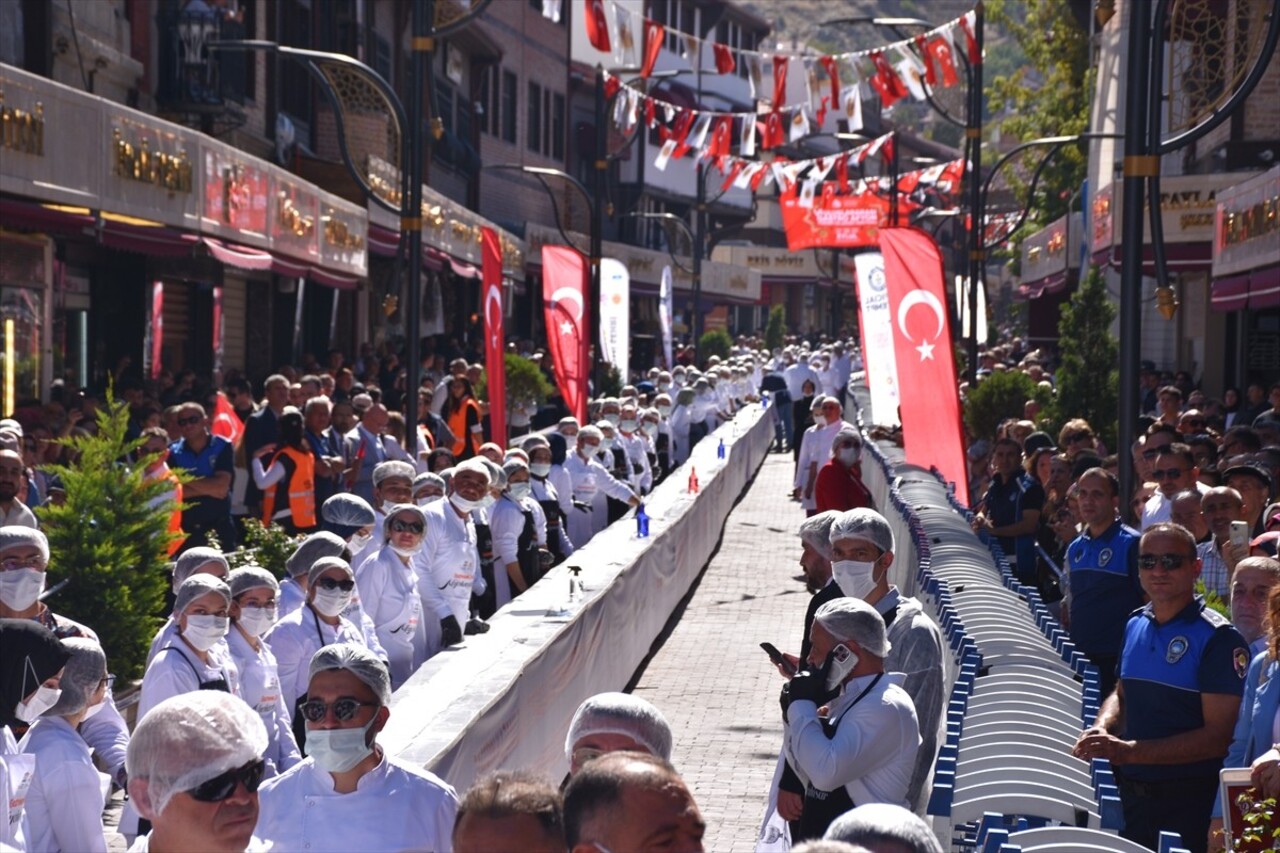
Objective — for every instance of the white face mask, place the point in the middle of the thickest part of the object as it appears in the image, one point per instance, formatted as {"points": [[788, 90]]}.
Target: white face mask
{"points": [[21, 588], [29, 710], [650, 428], [338, 750], [612, 418], [386, 507], [519, 491], [405, 552], [257, 621], [664, 410], [570, 441], [840, 669], [203, 631], [427, 500], [358, 542], [463, 505], [849, 455], [540, 469], [488, 500], [606, 444], [331, 602], [855, 577], [93, 711], [664, 386], [588, 451], [629, 425]]}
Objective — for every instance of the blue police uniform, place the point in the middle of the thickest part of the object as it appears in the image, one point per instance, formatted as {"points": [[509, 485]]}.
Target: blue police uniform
{"points": [[1006, 501], [1164, 669], [205, 514], [1103, 576]]}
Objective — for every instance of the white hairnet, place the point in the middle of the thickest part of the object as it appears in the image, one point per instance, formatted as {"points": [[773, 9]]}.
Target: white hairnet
{"points": [[476, 464], [324, 564], [567, 421], [246, 578], [865, 524], [497, 477], [426, 478], [621, 714], [189, 561], [854, 620], [347, 510], [357, 660], [815, 531], [846, 436], [315, 546], [395, 510], [392, 468], [514, 465], [535, 441], [877, 824], [196, 586], [16, 534], [589, 432], [84, 670], [189, 739]]}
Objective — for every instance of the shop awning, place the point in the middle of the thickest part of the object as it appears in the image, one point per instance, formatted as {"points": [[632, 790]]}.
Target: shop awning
{"points": [[153, 240], [1179, 257], [28, 216], [240, 257], [1230, 293], [383, 241], [1264, 288]]}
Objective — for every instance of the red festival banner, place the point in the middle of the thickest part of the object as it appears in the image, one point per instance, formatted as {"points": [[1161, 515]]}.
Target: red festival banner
{"points": [[834, 221], [931, 426], [564, 288], [495, 369]]}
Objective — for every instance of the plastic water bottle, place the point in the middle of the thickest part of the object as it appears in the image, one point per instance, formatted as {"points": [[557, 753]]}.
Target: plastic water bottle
{"points": [[642, 523], [720, 450], [575, 584], [764, 399], [693, 480]]}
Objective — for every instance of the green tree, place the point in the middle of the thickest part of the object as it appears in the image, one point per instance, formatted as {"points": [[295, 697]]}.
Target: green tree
{"points": [[775, 332], [1001, 395], [525, 381], [110, 540], [715, 342], [1088, 377]]}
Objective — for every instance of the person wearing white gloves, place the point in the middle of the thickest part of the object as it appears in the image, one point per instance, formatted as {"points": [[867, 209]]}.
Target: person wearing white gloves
{"points": [[448, 563], [590, 478], [519, 534], [253, 614], [387, 581], [67, 793], [349, 794]]}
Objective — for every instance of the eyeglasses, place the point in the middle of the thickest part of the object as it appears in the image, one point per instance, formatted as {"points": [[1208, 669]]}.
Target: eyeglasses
{"points": [[398, 526], [107, 681], [191, 421], [331, 584], [344, 709], [1166, 473], [583, 754], [224, 785], [1078, 436], [8, 564], [1168, 562]]}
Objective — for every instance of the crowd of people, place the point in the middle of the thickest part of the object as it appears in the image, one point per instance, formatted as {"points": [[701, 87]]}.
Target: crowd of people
{"points": [[263, 696]]}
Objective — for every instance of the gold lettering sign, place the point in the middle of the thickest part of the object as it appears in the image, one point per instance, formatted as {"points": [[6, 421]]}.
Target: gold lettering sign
{"points": [[291, 219], [139, 163], [22, 130], [384, 180], [339, 235], [1033, 254], [1257, 220], [1057, 243]]}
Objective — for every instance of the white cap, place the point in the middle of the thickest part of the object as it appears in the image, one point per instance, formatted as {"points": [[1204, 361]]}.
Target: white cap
{"points": [[621, 714]]}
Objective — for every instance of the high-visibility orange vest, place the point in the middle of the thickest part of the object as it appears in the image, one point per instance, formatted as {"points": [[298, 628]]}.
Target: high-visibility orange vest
{"points": [[298, 485], [461, 434], [175, 517]]}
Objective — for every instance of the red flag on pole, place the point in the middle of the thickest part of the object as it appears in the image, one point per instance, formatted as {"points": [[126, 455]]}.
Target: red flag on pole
{"points": [[724, 58], [226, 422], [931, 425], [564, 288], [653, 35], [597, 26], [495, 367]]}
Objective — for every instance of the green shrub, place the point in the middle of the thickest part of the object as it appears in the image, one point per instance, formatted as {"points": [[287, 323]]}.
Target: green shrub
{"points": [[265, 546], [1088, 377], [715, 342], [775, 332], [1001, 395]]}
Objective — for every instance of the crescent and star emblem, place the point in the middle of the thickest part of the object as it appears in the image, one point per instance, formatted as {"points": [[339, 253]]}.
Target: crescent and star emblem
{"points": [[912, 299], [561, 296], [493, 296]]}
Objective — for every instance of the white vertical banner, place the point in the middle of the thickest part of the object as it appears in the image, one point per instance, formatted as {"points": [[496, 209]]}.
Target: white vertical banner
{"points": [[877, 338], [962, 309], [666, 298], [615, 315]]}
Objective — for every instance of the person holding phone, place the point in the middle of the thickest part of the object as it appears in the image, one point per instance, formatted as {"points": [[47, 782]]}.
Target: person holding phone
{"points": [[864, 750]]}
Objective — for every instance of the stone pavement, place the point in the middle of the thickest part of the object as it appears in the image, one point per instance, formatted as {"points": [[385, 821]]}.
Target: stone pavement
{"points": [[710, 678]]}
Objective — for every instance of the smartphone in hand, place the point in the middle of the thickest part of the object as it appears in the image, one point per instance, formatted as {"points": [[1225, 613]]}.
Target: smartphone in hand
{"points": [[1239, 533], [776, 656]]}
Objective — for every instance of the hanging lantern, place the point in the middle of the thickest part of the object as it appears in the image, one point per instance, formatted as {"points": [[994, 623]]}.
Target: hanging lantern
{"points": [[1166, 302]]}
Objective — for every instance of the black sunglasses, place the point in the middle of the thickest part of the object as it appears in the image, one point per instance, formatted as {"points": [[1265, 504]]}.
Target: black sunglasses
{"points": [[189, 421], [331, 584], [222, 786], [1168, 562], [398, 526], [1078, 436], [344, 709]]}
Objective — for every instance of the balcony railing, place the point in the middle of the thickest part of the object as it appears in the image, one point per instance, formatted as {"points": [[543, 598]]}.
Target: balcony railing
{"points": [[192, 78]]}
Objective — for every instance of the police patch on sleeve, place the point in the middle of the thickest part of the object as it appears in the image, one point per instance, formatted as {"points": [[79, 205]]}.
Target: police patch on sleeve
{"points": [[1241, 658]]}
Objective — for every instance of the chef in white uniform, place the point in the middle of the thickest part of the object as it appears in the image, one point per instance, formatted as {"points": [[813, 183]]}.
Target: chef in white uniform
{"points": [[448, 563], [589, 478], [253, 614], [349, 794], [388, 584], [196, 561]]}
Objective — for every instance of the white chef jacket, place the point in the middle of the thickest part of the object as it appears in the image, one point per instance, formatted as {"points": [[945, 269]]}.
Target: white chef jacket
{"points": [[678, 421], [545, 490], [395, 807], [391, 590], [563, 483], [795, 375], [447, 566], [506, 523], [142, 844], [637, 450], [292, 596], [260, 687], [176, 670], [67, 794], [298, 636], [873, 750], [815, 447], [16, 772], [589, 478]]}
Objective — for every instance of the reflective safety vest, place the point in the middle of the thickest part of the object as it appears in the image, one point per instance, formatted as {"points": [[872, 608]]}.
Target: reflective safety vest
{"points": [[462, 435], [298, 484]]}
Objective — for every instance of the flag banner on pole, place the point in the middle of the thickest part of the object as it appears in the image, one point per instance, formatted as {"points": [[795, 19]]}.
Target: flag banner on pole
{"points": [[615, 314], [931, 426], [564, 288], [157, 329], [225, 422], [962, 307], [665, 313], [834, 221], [495, 368], [877, 337]]}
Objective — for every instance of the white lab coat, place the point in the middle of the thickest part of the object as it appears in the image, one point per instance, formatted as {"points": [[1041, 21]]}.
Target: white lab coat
{"points": [[292, 596], [16, 772], [590, 478], [391, 589], [298, 636], [563, 483], [67, 794], [815, 447], [260, 687], [637, 450], [506, 523], [678, 422], [447, 566], [176, 670], [545, 490], [395, 807]]}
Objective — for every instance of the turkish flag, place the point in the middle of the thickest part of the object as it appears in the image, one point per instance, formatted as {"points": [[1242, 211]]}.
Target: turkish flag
{"points": [[653, 34], [226, 422], [833, 74], [939, 53], [968, 23], [564, 289], [886, 81], [724, 58], [495, 368], [931, 426], [780, 80], [597, 26]]}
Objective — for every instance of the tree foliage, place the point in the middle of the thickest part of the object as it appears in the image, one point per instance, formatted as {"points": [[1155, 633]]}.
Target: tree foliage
{"points": [[110, 540], [1088, 376], [525, 381], [715, 342], [1001, 395], [775, 332]]}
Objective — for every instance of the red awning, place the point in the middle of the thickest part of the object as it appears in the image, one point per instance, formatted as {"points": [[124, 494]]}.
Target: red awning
{"points": [[1229, 294], [1264, 288], [240, 257], [158, 242], [26, 216], [1179, 257], [383, 241], [328, 278], [464, 269]]}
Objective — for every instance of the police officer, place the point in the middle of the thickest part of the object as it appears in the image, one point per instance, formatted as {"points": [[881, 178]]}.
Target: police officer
{"points": [[1011, 508], [1102, 565], [1167, 726]]}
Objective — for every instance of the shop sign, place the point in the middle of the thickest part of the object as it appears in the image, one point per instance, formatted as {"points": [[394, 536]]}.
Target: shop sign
{"points": [[1187, 207], [719, 279], [22, 131], [43, 127], [342, 236], [1247, 225], [295, 215], [1101, 215], [1053, 249], [772, 262], [236, 194], [150, 169]]}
